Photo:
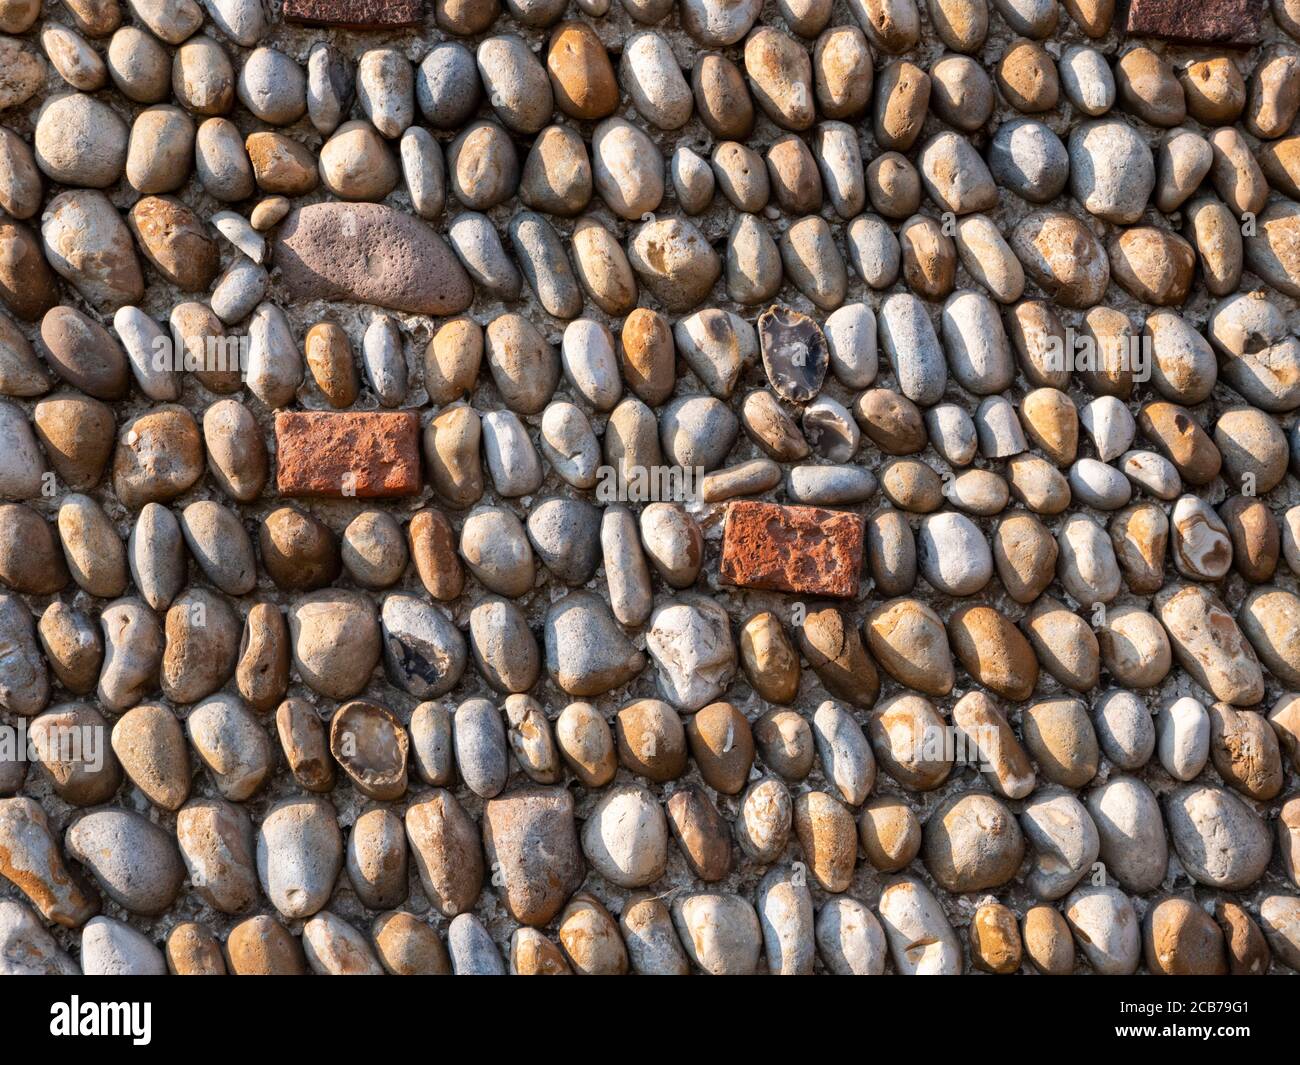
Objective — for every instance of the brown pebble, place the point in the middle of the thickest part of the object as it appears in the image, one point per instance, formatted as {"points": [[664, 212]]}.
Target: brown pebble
{"points": [[995, 939], [261, 946], [1048, 943], [722, 745], [702, 835]]}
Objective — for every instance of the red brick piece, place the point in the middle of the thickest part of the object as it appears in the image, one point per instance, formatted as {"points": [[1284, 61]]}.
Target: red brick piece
{"points": [[366, 454], [792, 549], [1233, 22], [356, 14]]}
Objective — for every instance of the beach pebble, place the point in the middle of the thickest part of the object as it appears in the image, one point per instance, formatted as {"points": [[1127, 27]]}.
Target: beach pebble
{"points": [[1105, 928]]}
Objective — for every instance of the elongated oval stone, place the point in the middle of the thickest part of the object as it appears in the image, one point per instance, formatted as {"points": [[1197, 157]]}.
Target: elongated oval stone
{"points": [[371, 254]]}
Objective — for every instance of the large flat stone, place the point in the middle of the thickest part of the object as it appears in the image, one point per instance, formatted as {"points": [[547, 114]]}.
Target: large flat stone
{"points": [[356, 14], [1234, 22], [369, 253]]}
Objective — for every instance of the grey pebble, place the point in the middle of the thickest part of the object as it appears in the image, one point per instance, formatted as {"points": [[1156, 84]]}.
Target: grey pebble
{"points": [[753, 261], [220, 545], [299, 855], [627, 573], [1112, 170], [545, 264], [479, 736], [952, 554], [874, 250], [384, 360], [478, 246], [143, 339], [976, 344], [586, 652], [717, 345], [432, 749], [330, 88], [909, 340], [697, 431], [850, 939], [840, 161], [385, 87], [516, 83], [823, 486], [243, 21], [1029, 159], [273, 87], [1219, 839], [812, 262], [447, 85], [587, 356], [232, 744], [471, 948], [565, 534], [133, 649], [569, 444], [1151, 472], [241, 235], [1125, 728], [693, 180], [1111, 426], [1131, 831], [221, 162], [495, 547], [785, 914], [274, 363], [239, 290], [998, 428], [156, 555], [1063, 839], [424, 652], [1087, 80], [952, 433], [134, 861], [505, 650], [510, 456], [111, 948], [424, 171], [1095, 484], [850, 335]]}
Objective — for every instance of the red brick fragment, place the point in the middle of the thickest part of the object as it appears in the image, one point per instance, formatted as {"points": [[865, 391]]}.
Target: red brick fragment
{"points": [[1233, 22], [366, 454], [356, 14], [792, 549]]}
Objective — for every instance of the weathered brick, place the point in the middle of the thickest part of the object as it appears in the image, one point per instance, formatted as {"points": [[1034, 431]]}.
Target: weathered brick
{"points": [[1234, 22], [367, 454], [792, 549], [356, 14]]}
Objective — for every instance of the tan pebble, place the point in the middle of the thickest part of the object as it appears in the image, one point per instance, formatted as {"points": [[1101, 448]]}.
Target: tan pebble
{"points": [[1048, 943], [890, 834], [722, 745], [828, 839], [1027, 77], [769, 659], [995, 939], [1215, 90]]}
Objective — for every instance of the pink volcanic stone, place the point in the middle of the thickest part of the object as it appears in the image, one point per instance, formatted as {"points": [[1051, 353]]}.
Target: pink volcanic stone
{"points": [[369, 253]]}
